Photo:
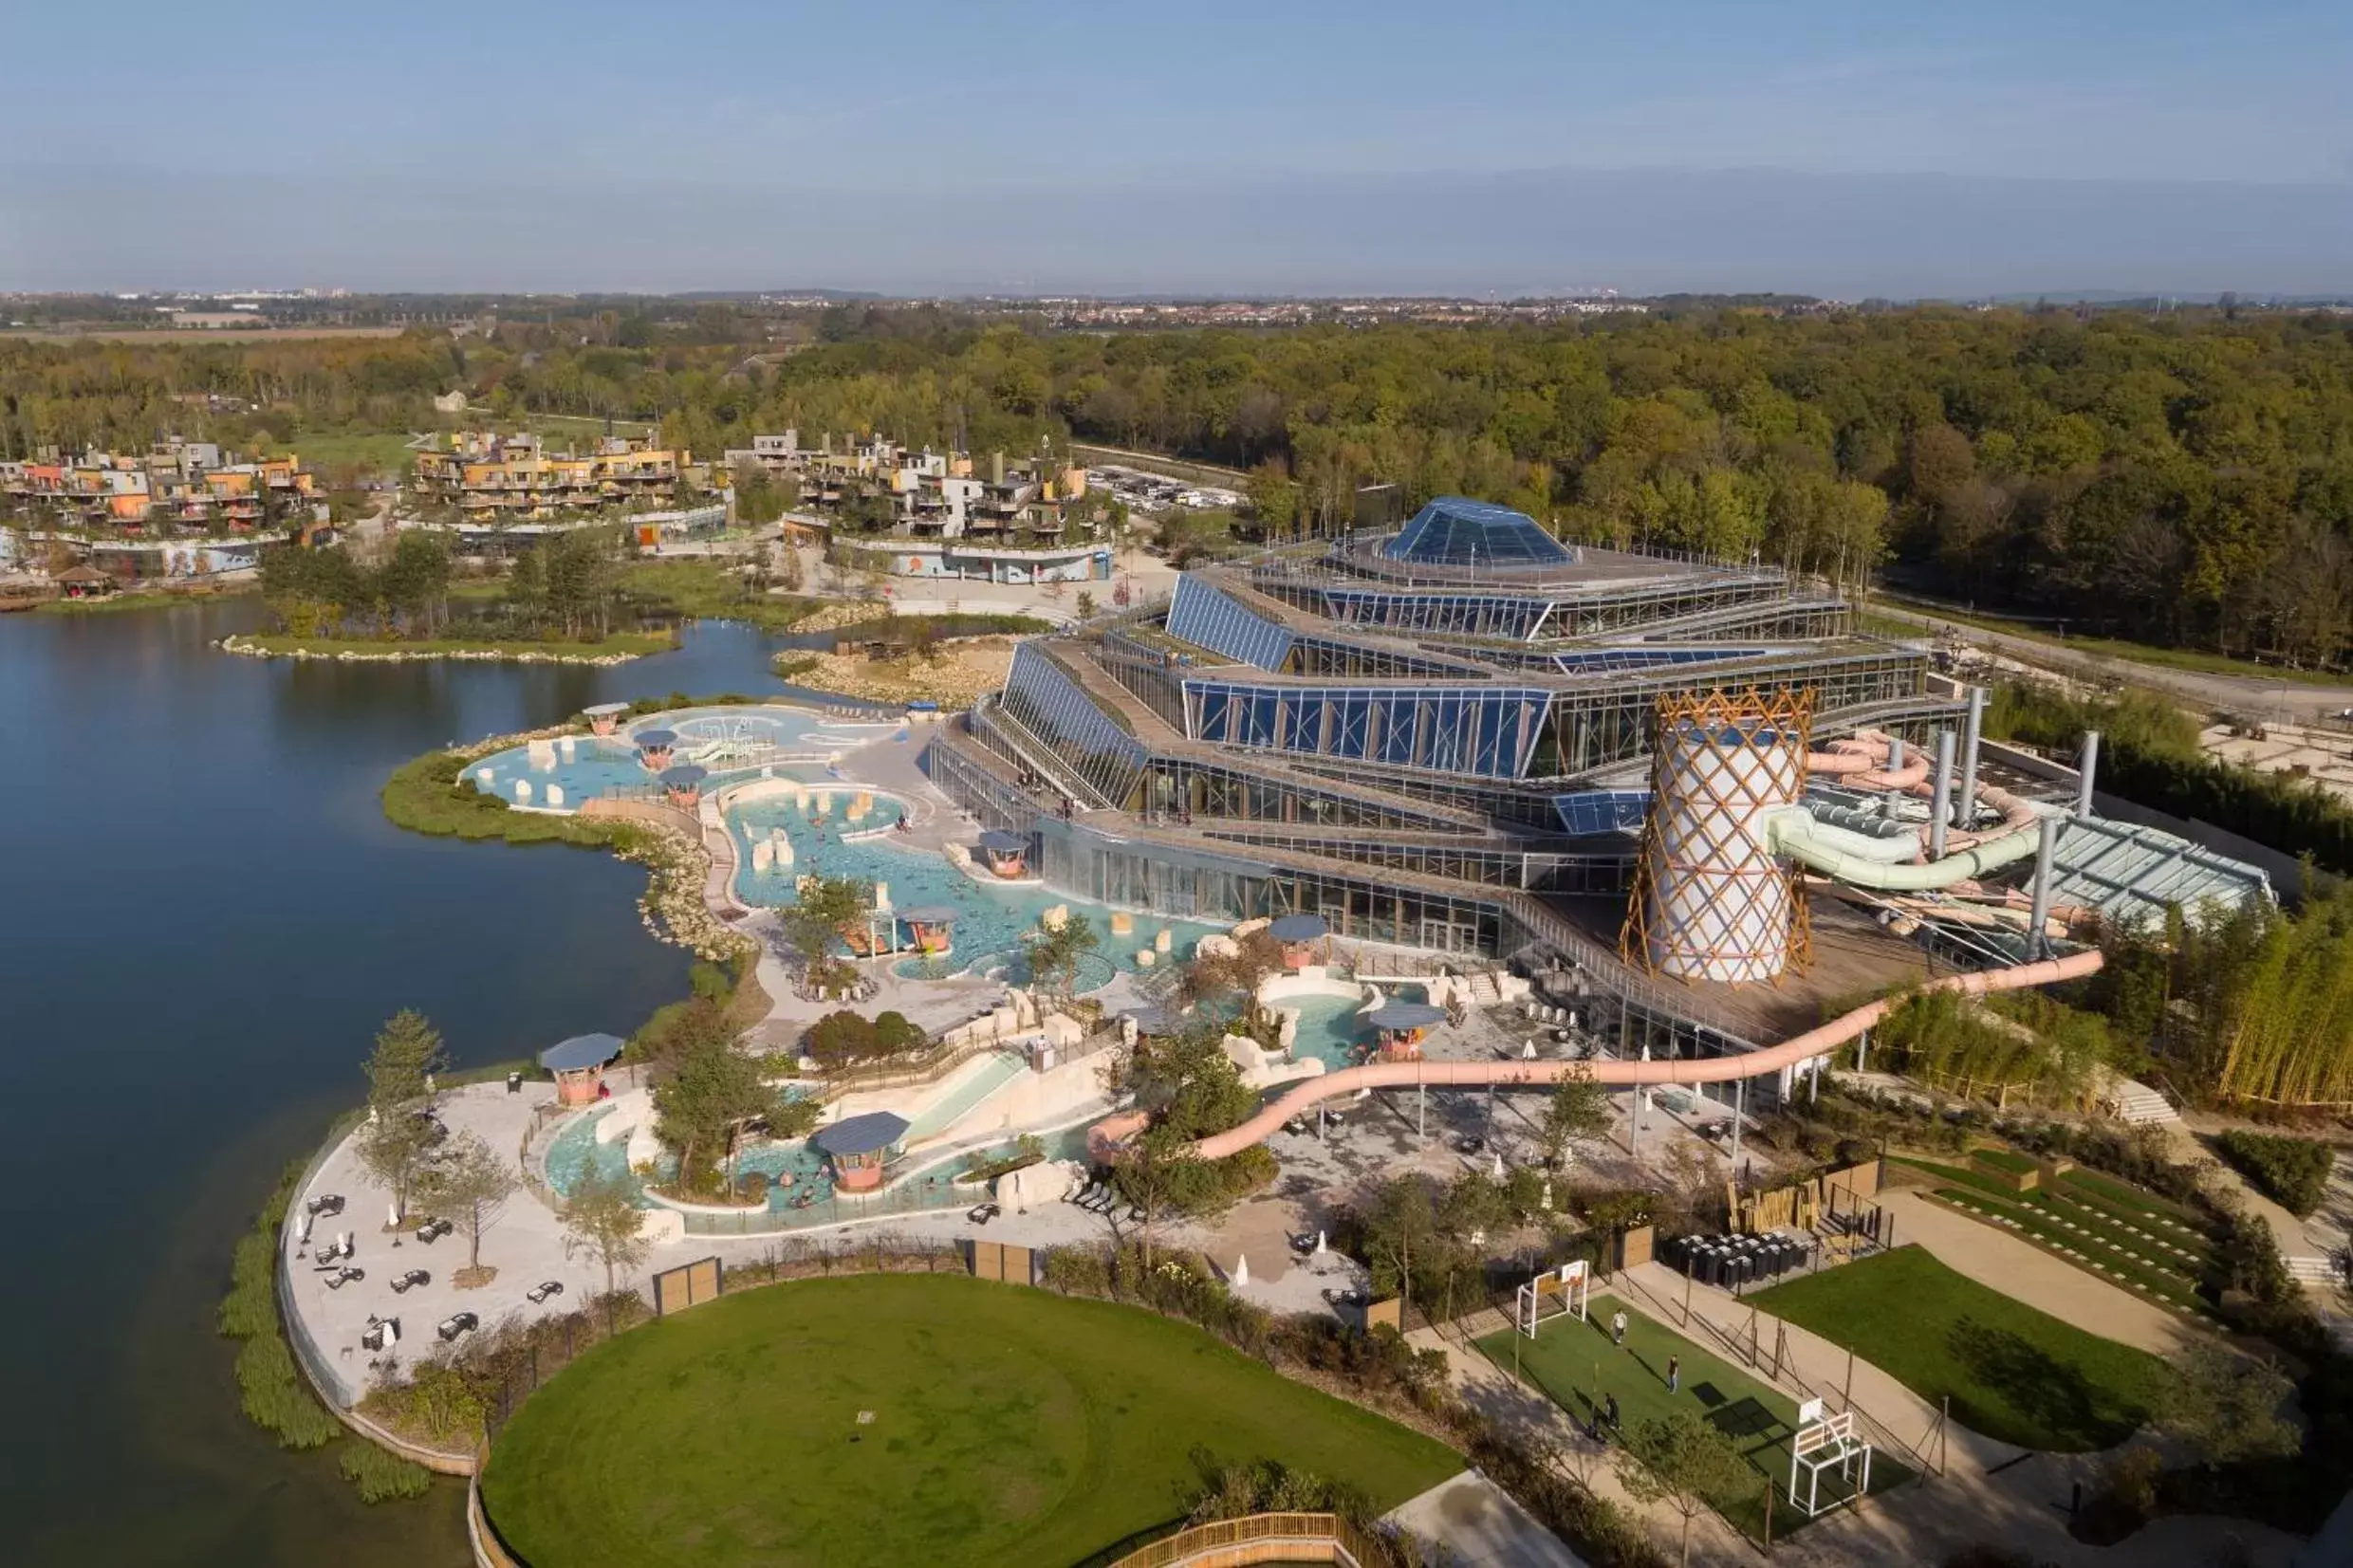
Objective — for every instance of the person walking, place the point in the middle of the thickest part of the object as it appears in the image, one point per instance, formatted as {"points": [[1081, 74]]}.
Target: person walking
{"points": [[1675, 1374], [1618, 1328], [1610, 1411]]}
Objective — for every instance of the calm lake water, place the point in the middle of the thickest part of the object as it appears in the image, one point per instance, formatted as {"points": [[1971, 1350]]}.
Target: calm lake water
{"points": [[203, 919]]}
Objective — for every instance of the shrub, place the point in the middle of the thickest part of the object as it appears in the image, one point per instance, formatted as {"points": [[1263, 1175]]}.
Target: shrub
{"points": [[2292, 1170], [381, 1475], [274, 1397]]}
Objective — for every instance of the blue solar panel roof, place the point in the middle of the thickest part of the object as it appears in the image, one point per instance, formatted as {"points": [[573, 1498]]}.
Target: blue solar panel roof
{"points": [[1455, 531]]}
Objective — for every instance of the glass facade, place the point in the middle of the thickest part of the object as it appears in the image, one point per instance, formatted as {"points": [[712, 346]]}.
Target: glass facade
{"points": [[1487, 732], [1603, 810], [1056, 711], [1455, 531], [1202, 614]]}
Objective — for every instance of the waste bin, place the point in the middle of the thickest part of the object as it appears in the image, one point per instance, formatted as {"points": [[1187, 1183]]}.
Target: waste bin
{"points": [[514, 1083]]}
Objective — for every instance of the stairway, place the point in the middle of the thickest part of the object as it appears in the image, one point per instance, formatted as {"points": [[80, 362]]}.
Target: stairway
{"points": [[2315, 1271], [1484, 991], [2139, 1105]]}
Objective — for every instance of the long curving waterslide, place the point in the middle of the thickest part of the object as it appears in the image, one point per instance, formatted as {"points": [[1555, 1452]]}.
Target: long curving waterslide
{"points": [[1813, 1043]]}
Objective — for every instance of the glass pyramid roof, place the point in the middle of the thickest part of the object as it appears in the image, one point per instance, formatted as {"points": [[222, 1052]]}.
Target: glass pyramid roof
{"points": [[1455, 531]]}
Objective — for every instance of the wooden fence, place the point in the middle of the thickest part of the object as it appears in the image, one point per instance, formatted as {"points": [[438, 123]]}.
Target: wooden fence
{"points": [[1259, 1538]]}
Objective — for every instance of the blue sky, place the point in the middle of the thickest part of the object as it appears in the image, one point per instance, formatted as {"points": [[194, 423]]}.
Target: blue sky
{"points": [[1073, 145]]}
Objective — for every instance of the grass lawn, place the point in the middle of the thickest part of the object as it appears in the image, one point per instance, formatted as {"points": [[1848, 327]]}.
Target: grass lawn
{"points": [[1008, 1426], [705, 591], [2014, 1374], [1895, 618], [384, 452], [1576, 1367]]}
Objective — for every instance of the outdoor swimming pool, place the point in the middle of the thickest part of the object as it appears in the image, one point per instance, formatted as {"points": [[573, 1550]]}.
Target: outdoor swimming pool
{"points": [[714, 738], [1329, 1029], [991, 920]]}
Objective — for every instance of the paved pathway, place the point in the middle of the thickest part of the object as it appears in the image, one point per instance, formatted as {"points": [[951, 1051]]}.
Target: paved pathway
{"points": [[1482, 1526]]}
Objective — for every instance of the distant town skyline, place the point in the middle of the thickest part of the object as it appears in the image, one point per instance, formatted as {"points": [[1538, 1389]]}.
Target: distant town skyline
{"points": [[1841, 150]]}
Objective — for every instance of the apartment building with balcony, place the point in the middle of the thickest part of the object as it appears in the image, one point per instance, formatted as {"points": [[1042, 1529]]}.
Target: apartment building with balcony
{"points": [[174, 488], [492, 477]]}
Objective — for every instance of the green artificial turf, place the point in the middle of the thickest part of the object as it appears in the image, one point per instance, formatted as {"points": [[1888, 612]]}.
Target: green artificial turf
{"points": [[1008, 1426], [2014, 1374], [1576, 1367]]}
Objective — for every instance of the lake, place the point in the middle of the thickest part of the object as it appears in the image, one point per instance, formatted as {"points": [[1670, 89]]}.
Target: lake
{"points": [[203, 919]]}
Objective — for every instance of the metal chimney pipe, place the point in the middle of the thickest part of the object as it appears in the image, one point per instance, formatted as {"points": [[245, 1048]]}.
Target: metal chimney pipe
{"points": [[2038, 946], [1941, 807], [1895, 753], [1966, 807], [2087, 769]]}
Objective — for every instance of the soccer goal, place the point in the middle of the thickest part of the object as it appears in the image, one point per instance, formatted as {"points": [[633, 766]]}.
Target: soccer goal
{"points": [[1559, 1294], [1826, 1442]]}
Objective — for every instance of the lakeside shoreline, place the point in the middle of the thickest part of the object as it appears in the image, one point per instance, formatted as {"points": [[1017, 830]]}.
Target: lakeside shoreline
{"points": [[265, 646]]}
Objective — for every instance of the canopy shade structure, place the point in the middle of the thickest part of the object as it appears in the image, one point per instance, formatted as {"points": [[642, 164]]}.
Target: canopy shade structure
{"points": [[1405, 1015], [931, 914], [1002, 842], [684, 776], [601, 710], [922, 705], [580, 1052], [1453, 530], [1299, 928], [656, 737], [868, 1134]]}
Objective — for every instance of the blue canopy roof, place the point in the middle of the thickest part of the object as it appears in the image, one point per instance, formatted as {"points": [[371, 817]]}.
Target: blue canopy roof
{"points": [[870, 1134], [1298, 927], [922, 705], [656, 737], [1453, 530], [683, 776], [1405, 1015], [571, 1056], [1004, 843]]}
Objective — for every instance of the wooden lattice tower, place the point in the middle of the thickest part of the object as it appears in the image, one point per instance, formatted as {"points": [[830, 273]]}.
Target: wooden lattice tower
{"points": [[1711, 899]]}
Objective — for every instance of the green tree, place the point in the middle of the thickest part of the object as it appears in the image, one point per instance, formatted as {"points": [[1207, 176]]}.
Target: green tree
{"points": [[712, 1094], [1054, 950], [2225, 1405], [601, 1220], [472, 1181], [1399, 1221], [822, 909], [1578, 1108], [1681, 1461], [398, 1140]]}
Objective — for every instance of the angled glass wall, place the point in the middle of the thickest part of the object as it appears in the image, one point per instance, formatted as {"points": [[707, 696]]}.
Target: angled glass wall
{"points": [[1488, 733], [1455, 530], [1044, 701], [1209, 616]]}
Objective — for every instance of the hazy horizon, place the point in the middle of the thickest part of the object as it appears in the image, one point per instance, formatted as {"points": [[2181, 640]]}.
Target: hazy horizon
{"points": [[919, 148]]}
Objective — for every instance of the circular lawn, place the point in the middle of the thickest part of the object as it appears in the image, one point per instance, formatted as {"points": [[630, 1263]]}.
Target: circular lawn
{"points": [[895, 1419]]}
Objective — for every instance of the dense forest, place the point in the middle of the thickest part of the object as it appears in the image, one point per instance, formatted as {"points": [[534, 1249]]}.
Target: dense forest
{"points": [[2184, 478]]}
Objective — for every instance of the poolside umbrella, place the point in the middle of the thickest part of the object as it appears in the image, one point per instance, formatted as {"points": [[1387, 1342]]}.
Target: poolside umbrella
{"points": [[598, 709], [1241, 1270], [1405, 1015], [684, 776], [1299, 928], [655, 739]]}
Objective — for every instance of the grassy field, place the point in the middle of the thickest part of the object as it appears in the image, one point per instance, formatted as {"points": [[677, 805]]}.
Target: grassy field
{"points": [[906, 1419], [376, 451], [121, 602], [1577, 1368], [1895, 620], [699, 589], [2014, 1374]]}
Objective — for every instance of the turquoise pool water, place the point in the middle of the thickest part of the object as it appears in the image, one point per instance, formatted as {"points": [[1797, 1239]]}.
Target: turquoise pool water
{"points": [[1329, 1029], [711, 737], [992, 920]]}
